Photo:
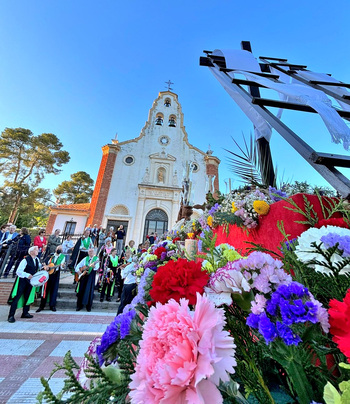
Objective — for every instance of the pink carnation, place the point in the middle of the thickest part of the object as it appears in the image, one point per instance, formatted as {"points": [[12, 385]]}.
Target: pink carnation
{"points": [[183, 355]]}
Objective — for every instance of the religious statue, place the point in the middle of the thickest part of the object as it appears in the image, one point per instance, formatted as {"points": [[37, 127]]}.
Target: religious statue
{"points": [[160, 176]]}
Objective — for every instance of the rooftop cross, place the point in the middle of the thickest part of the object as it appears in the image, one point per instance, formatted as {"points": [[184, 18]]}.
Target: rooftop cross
{"points": [[168, 85]]}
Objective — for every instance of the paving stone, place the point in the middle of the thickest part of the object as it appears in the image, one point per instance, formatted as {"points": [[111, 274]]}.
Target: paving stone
{"points": [[77, 348], [19, 346], [29, 390]]}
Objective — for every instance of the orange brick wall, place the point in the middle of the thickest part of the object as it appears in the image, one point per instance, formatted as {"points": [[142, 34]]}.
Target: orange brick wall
{"points": [[103, 183], [50, 223]]}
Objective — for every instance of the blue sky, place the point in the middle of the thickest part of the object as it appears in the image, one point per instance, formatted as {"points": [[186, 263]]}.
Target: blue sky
{"points": [[85, 70]]}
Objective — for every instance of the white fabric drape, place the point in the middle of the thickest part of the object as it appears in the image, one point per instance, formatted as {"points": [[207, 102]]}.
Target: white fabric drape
{"points": [[339, 90], [243, 62], [262, 128]]}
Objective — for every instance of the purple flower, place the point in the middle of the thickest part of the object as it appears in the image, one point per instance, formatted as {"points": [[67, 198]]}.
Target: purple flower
{"points": [[119, 328], [266, 328], [273, 190], [331, 239], [214, 209], [290, 244], [253, 320], [287, 334], [289, 304], [163, 255]]}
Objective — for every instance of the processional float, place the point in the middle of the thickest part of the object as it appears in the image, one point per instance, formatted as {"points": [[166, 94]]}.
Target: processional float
{"points": [[299, 89]]}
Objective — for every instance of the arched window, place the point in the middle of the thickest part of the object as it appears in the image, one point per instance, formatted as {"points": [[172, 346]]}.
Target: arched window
{"points": [[159, 119], [167, 102], [172, 121], [156, 222], [120, 210]]}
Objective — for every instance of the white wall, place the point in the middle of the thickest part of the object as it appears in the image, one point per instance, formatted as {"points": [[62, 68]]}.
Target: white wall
{"points": [[63, 218]]}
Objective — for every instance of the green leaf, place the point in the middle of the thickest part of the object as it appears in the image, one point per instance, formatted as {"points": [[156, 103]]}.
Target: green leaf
{"points": [[331, 395]]}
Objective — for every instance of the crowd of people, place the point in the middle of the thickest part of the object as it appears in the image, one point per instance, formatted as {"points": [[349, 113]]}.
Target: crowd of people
{"points": [[98, 260]]}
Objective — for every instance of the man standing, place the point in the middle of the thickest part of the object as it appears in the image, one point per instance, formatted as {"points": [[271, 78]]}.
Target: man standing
{"points": [[53, 242], [50, 289], [120, 239], [86, 269], [23, 293], [93, 233], [80, 251], [129, 276]]}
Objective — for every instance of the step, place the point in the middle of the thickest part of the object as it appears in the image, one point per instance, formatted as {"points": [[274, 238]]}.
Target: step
{"points": [[72, 304]]}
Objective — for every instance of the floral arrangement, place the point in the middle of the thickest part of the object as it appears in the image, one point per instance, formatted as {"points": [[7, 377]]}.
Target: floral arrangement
{"points": [[228, 328], [156, 255]]}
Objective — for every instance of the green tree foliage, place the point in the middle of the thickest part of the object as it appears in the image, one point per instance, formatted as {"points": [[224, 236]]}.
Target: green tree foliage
{"points": [[78, 190], [25, 159]]}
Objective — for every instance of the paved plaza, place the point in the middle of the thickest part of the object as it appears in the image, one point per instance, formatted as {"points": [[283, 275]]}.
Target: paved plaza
{"points": [[30, 347]]}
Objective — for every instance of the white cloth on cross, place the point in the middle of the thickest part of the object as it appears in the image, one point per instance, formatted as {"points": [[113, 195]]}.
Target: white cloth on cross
{"points": [[339, 90], [243, 62]]}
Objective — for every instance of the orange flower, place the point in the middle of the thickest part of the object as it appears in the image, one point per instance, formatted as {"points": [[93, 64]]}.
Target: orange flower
{"points": [[261, 207]]}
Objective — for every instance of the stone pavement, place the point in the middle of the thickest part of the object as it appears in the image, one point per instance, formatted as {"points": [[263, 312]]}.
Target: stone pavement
{"points": [[30, 347]]}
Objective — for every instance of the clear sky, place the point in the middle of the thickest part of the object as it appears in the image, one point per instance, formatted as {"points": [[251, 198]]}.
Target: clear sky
{"points": [[85, 70]]}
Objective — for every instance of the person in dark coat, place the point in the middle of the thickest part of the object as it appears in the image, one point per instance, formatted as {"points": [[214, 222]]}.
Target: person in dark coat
{"points": [[23, 293], [50, 289], [86, 269], [80, 251], [23, 245]]}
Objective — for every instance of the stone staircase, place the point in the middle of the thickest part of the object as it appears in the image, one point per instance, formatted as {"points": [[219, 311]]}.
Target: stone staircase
{"points": [[67, 299]]}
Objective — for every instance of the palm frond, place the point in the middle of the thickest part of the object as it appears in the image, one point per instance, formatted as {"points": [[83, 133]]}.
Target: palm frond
{"points": [[249, 164]]}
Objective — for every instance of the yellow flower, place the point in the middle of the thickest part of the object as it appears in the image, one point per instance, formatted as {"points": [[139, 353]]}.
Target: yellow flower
{"points": [[210, 221], [261, 207], [233, 210], [190, 235], [194, 225]]}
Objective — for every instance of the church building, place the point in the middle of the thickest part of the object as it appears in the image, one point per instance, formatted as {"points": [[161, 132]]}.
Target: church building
{"points": [[139, 184]]}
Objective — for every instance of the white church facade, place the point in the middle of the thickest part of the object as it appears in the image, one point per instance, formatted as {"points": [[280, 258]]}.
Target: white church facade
{"points": [[139, 183]]}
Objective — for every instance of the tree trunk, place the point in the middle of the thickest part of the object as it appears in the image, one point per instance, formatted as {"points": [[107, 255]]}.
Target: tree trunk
{"points": [[15, 209]]}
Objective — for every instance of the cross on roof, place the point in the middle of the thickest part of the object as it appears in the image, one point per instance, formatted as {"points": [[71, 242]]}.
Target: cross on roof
{"points": [[168, 85]]}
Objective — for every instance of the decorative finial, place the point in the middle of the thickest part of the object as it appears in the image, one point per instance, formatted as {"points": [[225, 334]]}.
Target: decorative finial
{"points": [[168, 85], [210, 151]]}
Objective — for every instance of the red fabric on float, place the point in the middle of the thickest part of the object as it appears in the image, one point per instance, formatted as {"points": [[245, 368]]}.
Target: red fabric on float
{"points": [[267, 233]]}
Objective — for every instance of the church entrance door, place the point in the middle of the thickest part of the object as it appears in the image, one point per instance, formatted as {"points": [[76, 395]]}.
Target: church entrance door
{"points": [[156, 222], [116, 224]]}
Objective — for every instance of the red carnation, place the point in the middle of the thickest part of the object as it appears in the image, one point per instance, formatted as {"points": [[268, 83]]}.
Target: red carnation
{"points": [[339, 319], [158, 252], [178, 279], [176, 239], [337, 221]]}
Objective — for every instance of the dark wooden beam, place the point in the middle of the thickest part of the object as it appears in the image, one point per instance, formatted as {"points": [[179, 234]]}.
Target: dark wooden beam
{"points": [[247, 83], [264, 150], [290, 105], [293, 66], [328, 159], [328, 83], [269, 58], [267, 75], [204, 61]]}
